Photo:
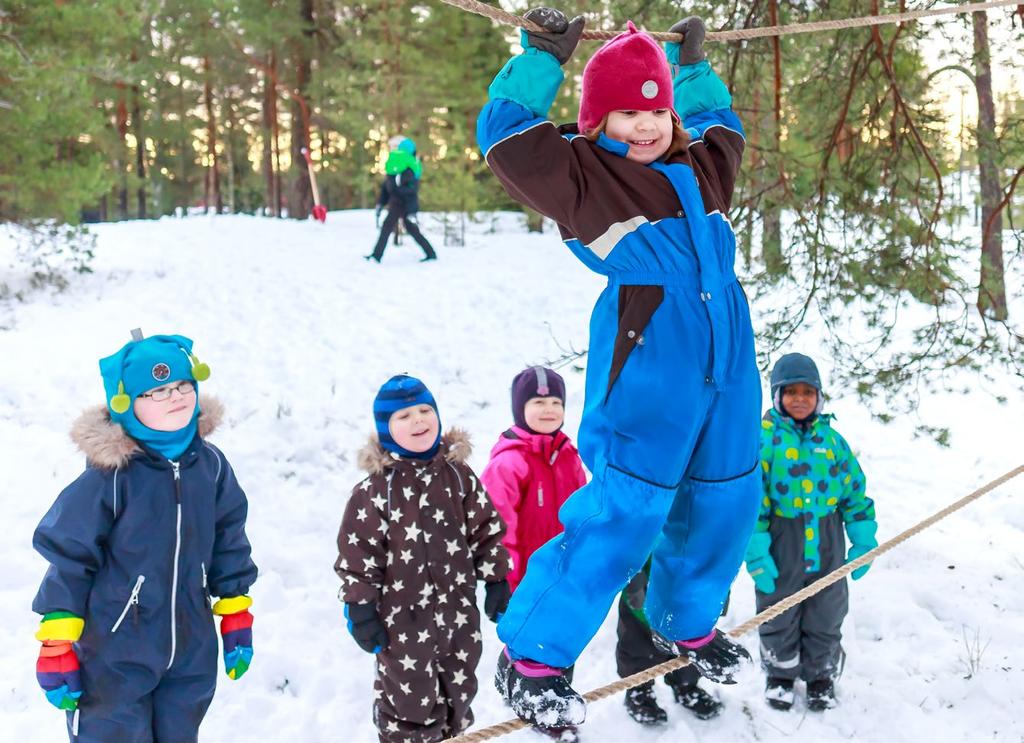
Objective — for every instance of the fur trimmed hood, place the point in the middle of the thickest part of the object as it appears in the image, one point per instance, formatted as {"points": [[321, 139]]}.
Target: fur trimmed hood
{"points": [[373, 458], [108, 446]]}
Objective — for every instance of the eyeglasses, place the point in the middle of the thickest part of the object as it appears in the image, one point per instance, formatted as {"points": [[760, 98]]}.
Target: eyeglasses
{"points": [[183, 388]]}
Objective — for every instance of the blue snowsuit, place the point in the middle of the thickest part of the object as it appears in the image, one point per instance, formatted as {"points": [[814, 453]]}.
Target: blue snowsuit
{"points": [[137, 545], [670, 424]]}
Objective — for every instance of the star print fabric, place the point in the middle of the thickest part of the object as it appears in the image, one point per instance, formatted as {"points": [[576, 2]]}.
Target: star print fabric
{"points": [[415, 539]]}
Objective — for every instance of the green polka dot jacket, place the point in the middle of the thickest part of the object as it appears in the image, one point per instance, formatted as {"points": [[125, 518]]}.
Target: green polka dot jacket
{"points": [[808, 475]]}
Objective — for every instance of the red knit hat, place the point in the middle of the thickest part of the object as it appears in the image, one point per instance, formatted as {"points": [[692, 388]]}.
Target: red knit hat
{"points": [[629, 73]]}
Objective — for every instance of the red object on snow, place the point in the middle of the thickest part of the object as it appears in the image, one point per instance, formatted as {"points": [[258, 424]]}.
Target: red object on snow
{"points": [[319, 211]]}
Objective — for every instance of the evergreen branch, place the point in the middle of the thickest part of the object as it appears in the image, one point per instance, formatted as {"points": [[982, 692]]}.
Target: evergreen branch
{"points": [[13, 40]]}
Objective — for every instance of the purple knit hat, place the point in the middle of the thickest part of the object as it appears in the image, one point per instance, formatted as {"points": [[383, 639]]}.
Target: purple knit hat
{"points": [[537, 381]]}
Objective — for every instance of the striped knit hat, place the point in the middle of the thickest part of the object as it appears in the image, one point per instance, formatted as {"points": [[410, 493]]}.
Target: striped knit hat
{"points": [[402, 391]]}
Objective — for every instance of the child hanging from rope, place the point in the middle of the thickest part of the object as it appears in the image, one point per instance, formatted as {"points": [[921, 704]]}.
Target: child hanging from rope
{"points": [[669, 427], [137, 545], [417, 535], [399, 194], [813, 486]]}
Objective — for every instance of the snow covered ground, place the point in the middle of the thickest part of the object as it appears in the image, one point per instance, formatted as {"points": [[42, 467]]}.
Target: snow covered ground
{"points": [[299, 332]]}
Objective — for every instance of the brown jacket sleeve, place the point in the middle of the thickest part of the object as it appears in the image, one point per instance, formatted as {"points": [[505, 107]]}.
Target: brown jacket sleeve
{"points": [[539, 167], [362, 546], [716, 159], [484, 530]]}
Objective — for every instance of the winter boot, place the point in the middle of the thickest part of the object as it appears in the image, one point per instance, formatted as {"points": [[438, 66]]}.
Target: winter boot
{"points": [[699, 702], [778, 692], [538, 694], [715, 656], [642, 705], [821, 695], [562, 735]]}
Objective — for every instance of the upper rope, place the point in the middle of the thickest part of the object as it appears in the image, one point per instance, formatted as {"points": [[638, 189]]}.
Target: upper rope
{"points": [[742, 34]]}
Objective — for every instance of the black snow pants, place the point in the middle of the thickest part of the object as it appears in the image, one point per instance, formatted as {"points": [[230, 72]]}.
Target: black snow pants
{"points": [[805, 642], [635, 650], [409, 222]]}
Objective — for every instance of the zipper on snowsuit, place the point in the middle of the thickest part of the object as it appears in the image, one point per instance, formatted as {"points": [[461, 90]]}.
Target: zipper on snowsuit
{"points": [[540, 495], [176, 466], [133, 601]]}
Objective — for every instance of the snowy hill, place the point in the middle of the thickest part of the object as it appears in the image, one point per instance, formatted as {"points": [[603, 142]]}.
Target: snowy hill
{"points": [[299, 332]]}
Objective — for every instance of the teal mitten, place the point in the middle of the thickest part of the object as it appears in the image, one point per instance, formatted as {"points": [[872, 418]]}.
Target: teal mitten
{"points": [[862, 541], [760, 564]]}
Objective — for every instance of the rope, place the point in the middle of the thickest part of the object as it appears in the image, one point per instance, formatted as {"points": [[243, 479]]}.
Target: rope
{"points": [[753, 623], [742, 34]]}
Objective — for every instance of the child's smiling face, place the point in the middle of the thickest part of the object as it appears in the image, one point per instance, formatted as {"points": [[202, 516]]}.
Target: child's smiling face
{"points": [[648, 133], [168, 407], [544, 414], [799, 400], [414, 428]]}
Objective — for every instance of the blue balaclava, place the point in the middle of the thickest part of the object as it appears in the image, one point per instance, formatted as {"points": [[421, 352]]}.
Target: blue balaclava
{"points": [[399, 392], [141, 365], [792, 369]]}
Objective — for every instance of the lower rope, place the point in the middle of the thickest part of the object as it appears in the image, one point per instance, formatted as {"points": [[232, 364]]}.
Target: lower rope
{"points": [[743, 34], [753, 623]]}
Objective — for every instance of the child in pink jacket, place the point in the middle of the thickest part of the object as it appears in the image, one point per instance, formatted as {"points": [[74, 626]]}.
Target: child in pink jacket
{"points": [[534, 466]]}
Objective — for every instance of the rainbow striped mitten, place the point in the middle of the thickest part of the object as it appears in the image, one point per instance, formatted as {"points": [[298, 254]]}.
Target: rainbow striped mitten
{"points": [[236, 631], [57, 668]]}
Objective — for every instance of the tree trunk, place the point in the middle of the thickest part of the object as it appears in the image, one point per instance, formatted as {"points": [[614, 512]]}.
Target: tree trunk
{"points": [[992, 287], [140, 153], [121, 112], [229, 152], [213, 174], [269, 105], [771, 213], [300, 198]]}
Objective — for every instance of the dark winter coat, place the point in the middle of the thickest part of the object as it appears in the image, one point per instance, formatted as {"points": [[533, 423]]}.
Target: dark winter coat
{"points": [[415, 539], [137, 545], [400, 192]]}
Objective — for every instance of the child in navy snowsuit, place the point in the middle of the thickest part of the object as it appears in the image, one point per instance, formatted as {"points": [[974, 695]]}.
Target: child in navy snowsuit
{"points": [[669, 428], [137, 546], [813, 489]]}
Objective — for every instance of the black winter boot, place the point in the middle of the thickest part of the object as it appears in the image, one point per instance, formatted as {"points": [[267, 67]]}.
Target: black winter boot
{"points": [[821, 695], [539, 694], [562, 735], [718, 660], [778, 692], [642, 705], [699, 702]]}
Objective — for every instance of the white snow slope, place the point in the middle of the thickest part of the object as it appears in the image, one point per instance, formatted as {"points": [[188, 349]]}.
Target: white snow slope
{"points": [[299, 332]]}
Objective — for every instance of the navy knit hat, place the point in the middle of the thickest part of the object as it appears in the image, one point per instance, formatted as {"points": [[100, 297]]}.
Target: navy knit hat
{"points": [[537, 381], [794, 368], [402, 391]]}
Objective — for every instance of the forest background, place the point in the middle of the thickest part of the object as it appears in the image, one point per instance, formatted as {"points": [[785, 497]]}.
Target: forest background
{"points": [[861, 195]]}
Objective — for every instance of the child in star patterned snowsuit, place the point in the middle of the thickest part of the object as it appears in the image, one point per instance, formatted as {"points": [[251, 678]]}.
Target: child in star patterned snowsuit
{"points": [[418, 533], [813, 488], [137, 546]]}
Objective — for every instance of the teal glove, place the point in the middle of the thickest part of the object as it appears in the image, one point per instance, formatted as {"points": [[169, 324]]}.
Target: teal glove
{"points": [[760, 564], [862, 541]]}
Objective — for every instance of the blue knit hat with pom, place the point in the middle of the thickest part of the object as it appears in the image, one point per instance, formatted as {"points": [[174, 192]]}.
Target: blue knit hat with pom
{"points": [[402, 391]]}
